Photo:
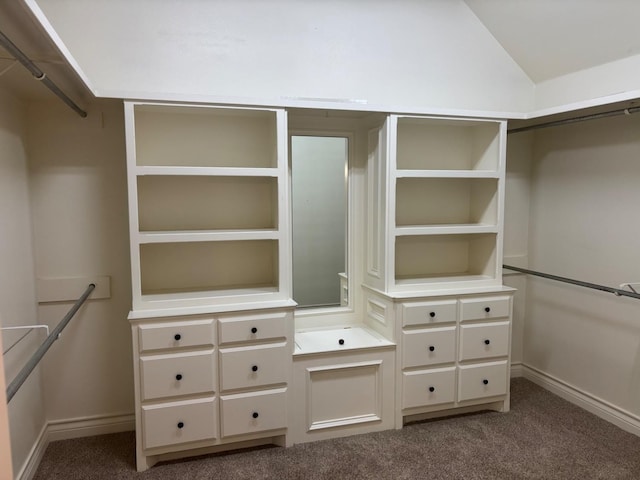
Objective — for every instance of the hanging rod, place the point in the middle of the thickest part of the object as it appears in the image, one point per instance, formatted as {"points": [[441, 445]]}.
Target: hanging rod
{"points": [[17, 382], [38, 74], [580, 283], [594, 116]]}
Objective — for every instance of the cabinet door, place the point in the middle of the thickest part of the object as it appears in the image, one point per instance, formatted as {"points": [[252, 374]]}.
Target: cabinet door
{"points": [[484, 308], [253, 412], [425, 313], [482, 380], [428, 387], [254, 366], [183, 334], [484, 340], [177, 374], [428, 347], [179, 422]]}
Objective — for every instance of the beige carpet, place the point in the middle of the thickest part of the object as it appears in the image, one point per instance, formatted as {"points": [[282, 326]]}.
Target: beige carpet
{"points": [[543, 437]]}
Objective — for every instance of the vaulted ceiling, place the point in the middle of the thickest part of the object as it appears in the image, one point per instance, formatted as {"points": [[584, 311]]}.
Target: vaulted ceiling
{"points": [[546, 38]]}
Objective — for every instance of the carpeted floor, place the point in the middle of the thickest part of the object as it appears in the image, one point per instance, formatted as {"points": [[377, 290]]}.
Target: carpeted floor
{"points": [[543, 437]]}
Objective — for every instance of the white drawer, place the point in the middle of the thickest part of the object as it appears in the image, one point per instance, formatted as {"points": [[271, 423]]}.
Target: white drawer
{"points": [[425, 313], [484, 340], [484, 307], [428, 347], [248, 367], [179, 422], [246, 328], [429, 387], [192, 333], [177, 374], [253, 412], [483, 380]]}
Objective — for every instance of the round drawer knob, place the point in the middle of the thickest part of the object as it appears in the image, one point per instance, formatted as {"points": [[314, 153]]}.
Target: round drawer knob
{"points": [[487, 341], [255, 415], [432, 389], [177, 336], [432, 348], [254, 330], [180, 424], [341, 341], [254, 368], [179, 376], [485, 381], [432, 314], [487, 309]]}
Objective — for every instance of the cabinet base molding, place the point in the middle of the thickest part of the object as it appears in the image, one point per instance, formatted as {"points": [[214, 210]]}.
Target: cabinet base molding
{"points": [[279, 441], [601, 408], [483, 407]]}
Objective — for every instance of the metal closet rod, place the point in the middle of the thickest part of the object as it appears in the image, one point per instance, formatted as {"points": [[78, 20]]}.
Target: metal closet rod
{"points": [[583, 118], [17, 382], [580, 283], [38, 74]]}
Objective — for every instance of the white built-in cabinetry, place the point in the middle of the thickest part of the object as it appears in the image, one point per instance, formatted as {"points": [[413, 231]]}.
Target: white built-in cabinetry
{"points": [[217, 361], [433, 277]]}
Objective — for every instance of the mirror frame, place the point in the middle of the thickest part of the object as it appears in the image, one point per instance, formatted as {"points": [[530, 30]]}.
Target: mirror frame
{"points": [[350, 257]]}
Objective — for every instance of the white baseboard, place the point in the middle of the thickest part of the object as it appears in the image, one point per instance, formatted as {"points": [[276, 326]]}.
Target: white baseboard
{"points": [[32, 462], [75, 428], [601, 408], [516, 370]]}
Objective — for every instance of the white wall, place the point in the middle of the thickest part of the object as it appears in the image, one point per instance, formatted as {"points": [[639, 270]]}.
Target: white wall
{"points": [[584, 224], [516, 230], [79, 203], [431, 55], [17, 283]]}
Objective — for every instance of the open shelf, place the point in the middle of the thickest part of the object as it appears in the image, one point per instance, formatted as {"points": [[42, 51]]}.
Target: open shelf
{"points": [[205, 137], [191, 267], [443, 201], [189, 203], [441, 258], [436, 144]]}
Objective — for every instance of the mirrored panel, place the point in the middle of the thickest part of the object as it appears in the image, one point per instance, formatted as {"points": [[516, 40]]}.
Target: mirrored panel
{"points": [[319, 171]]}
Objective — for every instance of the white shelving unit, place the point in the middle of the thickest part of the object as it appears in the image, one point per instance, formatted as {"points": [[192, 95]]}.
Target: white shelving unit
{"points": [[208, 206], [440, 182]]}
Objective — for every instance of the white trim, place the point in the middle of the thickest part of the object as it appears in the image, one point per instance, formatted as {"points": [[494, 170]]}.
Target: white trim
{"points": [[517, 370], [31, 464], [73, 428], [89, 426], [603, 409]]}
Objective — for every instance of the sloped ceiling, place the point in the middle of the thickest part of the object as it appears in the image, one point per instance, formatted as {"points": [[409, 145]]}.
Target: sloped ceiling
{"points": [[551, 38]]}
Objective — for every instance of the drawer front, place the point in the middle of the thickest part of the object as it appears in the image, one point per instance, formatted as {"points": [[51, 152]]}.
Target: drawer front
{"points": [[248, 367], [192, 333], [425, 313], [253, 412], [484, 340], [428, 347], [177, 374], [431, 387], [484, 307], [248, 328], [179, 422], [483, 380]]}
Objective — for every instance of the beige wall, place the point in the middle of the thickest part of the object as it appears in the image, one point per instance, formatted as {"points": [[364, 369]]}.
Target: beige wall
{"points": [[79, 202], [585, 194], [17, 285]]}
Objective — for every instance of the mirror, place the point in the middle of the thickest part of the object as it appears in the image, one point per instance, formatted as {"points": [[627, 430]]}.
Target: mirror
{"points": [[319, 172]]}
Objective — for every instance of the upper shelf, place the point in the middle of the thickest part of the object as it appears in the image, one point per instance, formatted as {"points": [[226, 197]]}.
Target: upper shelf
{"points": [[447, 145], [205, 137]]}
